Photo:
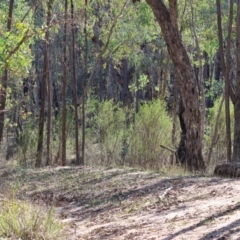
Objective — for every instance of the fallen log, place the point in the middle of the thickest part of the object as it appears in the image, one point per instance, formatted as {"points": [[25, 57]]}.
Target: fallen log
{"points": [[230, 169]]}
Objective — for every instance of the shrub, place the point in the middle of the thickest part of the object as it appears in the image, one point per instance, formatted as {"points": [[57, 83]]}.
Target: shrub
{"points": [[110, 127], [153, 127]]}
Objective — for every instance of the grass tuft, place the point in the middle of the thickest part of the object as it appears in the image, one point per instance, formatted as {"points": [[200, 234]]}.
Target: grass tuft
{"points": [[22, 220]]}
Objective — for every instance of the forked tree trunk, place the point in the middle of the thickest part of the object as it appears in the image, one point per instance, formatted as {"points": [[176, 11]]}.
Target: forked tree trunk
{"points": [[190, 147]]}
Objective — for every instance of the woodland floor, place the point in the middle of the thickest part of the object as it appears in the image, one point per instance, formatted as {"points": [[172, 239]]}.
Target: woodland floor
{"points": [[129, 204]]}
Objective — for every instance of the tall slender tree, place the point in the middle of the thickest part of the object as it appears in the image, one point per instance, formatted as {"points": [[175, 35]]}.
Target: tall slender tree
{"points": [[43, 89], [225, 65], [64, 86], [49, 93], [3, 90], [74, 85], [83, 85]]}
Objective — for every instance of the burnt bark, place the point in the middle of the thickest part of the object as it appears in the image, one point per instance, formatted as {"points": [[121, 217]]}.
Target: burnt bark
{"points": [[190, 148]]}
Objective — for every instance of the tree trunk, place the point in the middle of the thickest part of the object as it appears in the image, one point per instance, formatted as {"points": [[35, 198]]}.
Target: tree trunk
{"points": [[43, 92], [49, 84], [190, 147], [74, 83], [64, 87], [226, 71], [236, 145], [3, 90], [83, 85]]}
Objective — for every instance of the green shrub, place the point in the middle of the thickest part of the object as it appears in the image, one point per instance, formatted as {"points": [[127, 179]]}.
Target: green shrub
{"points": [[119, 136], [152, 128], [110, 127], [27, 142]]}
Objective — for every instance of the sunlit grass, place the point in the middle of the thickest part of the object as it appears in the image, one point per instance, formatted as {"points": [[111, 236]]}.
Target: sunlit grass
{"points": [[22, 220]]}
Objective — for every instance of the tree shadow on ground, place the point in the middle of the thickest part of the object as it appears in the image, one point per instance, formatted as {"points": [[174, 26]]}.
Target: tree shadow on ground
{"points": [[214, 233], [95, 193], [113, 198]]}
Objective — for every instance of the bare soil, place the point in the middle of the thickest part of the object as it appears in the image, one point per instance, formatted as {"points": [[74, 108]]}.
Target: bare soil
{"points": [[128, 204]]}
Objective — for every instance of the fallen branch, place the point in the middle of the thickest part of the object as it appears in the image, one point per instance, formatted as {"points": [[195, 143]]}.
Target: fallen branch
{"points": [[168, 148]]}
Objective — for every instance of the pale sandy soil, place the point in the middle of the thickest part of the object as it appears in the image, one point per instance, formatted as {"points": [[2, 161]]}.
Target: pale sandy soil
{"points": [[128, 204]]}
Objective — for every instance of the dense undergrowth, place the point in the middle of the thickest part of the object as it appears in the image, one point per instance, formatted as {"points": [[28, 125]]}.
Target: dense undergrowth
{"points": [[118, 136]]}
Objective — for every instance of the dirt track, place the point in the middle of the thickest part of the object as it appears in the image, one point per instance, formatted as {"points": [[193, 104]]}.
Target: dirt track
{"points": [[129, 204]]}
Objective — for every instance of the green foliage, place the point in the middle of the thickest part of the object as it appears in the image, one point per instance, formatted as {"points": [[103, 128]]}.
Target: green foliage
{"points": [[143, 80], [27, 142], [110, 122], [18, 63], [132, 139], [22, 220], [213, 88], [152, 128]]}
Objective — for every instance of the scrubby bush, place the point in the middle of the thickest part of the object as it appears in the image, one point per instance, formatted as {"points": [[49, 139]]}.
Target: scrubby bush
{"points": [[152, 128], [110, 128]]}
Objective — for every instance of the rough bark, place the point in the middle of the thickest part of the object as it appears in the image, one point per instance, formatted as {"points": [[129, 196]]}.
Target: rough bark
{"points": [[236, 145], [190, 147]]}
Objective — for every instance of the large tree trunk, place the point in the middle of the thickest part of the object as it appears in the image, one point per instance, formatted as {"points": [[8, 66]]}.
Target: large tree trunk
{"points": [[236, 145], [190, 148]]}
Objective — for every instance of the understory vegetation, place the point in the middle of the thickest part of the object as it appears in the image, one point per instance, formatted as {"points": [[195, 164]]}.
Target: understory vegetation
{"points": [[23, 220]]}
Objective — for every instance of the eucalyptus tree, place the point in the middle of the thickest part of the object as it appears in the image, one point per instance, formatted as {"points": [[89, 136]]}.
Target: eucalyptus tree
{"points": [[45, 82], [190, 147]]}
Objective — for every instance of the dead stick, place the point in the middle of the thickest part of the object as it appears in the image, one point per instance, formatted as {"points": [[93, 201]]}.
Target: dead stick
{"points": [[168, 148]]}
